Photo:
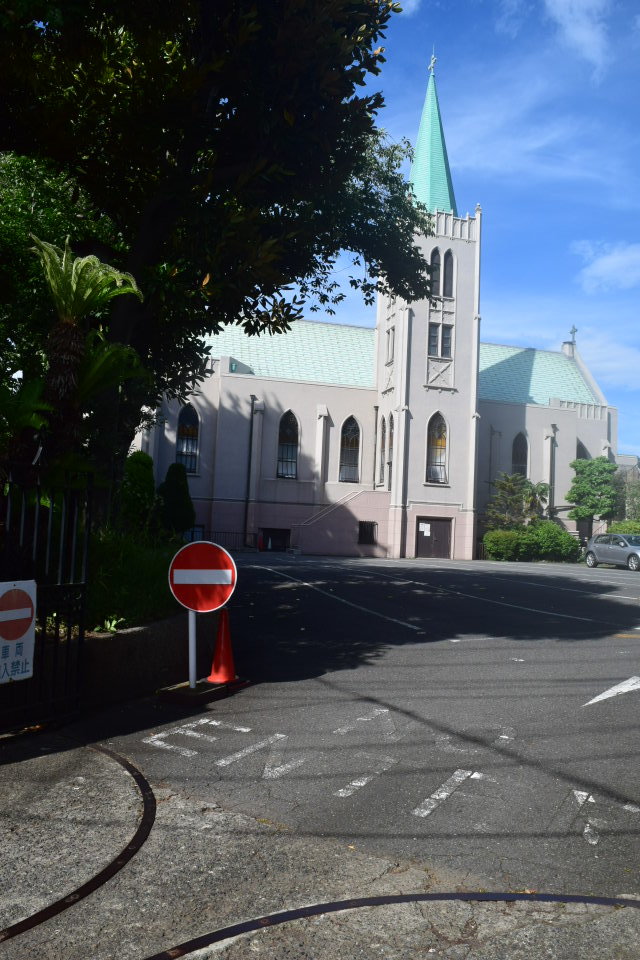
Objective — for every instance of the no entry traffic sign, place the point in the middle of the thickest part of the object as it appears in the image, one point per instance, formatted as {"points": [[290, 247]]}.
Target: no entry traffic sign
{"points": [[202, 576], [17, 629], [16, 612]]}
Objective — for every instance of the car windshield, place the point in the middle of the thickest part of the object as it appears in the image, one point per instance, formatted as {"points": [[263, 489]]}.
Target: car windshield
{"points": [[634, 540]]}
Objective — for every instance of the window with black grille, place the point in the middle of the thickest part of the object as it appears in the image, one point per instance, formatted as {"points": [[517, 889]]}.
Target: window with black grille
{"points": [[367, 532], [288, 447], [187, 439], [350, 452]]}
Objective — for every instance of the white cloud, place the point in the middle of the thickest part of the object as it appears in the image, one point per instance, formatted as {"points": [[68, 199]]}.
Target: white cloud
{"points": [[509, 124], [510, 17], [582, 27], [608, 266], [410, 6]]}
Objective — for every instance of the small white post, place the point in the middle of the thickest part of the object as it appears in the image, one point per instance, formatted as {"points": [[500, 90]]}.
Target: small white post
{"points": [[192, 649]]}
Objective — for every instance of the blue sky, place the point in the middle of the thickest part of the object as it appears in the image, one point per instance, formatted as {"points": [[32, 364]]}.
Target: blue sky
{"points": [[540, 102]]}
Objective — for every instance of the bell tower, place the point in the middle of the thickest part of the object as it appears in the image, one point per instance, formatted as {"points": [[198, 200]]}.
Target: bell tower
{"points": [[428, 369]]}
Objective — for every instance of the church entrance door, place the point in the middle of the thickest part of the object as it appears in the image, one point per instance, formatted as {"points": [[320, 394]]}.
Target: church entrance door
{"points": [[433, 537]]}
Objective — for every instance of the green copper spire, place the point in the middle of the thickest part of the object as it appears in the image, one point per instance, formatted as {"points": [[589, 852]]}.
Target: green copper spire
{"points": [[430, 174]]}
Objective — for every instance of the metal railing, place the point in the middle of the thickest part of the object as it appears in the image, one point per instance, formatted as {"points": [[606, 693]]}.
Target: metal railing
{"points": [[44, 536]]}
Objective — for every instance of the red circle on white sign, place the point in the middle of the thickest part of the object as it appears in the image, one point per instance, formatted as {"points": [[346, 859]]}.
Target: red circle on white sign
{"points": [[202, 576], [16, 614]]}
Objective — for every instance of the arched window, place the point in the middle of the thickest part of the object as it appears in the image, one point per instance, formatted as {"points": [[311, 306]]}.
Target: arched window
{"points": [[435, 273], [383, 434], [447, 275], [390, 453], [187, 439], [437, 450], [519, 455], [288, 447], [349, 451], [581, 452]]}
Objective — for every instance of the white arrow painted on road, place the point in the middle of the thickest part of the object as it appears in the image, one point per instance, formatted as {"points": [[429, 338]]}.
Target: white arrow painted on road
{"points": [[633, 683], [589, 832]]}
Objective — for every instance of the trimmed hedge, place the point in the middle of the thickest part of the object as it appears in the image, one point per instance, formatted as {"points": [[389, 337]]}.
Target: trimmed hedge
{"points": [[542, 540], [625, 526]]}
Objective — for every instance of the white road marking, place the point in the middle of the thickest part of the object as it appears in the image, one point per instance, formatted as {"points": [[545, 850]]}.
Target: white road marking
{"points": [[227, 726], [631, 808], [589, 832], [196, 577], [241, 754], [352, 726], [513, 606], [469, 639], [275, 767], [187, 730], [441, 794], [383, 715], [332, 596], [380, 765], [633, 683], [158, 741], [587, 593]]}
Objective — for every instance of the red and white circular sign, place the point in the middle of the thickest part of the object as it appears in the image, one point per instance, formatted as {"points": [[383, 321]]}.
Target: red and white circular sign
{"points": [[202, 576], [16, 614]]}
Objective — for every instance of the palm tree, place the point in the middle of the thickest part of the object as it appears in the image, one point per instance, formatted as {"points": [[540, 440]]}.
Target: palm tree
{"points": [[535, 499], [80, 287]]}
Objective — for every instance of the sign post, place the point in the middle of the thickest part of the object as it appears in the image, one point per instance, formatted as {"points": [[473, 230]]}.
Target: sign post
{"points": [[17, 629], [202, 577]]}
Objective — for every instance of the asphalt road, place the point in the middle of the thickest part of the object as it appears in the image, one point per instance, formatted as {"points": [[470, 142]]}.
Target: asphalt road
{"points": [[435, 712]]}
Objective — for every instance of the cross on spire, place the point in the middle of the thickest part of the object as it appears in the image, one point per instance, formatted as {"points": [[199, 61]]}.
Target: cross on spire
{"points": [[573, 332], [433, 61]]}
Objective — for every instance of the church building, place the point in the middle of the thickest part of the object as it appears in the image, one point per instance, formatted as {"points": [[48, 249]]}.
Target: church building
{"points": [[342, 440]]}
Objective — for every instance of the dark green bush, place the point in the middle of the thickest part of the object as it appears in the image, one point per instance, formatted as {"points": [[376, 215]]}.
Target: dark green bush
{"points": [[502, 544], [625, 526], [128, 579], [553, 543], [176, 508], [541, 540], [137, 494]]}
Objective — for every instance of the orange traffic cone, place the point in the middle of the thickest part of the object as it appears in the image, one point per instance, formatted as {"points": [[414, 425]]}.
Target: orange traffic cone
{"points": [[223, 669]]}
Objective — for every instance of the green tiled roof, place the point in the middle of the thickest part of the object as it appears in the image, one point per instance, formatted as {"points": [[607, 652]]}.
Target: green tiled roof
{"points": [[340, 355], [525, 375], [430, 173], [330, 353]]}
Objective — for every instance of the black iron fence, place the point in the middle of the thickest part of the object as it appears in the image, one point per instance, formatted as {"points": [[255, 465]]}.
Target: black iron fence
{"points": [[44, 537]]}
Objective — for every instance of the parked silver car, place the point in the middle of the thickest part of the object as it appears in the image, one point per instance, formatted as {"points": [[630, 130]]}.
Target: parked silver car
{"points": [[620, 549]]}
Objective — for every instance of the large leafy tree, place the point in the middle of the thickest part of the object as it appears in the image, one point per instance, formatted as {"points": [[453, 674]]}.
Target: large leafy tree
{"points": [[592, 491], [37, 199], [232, 145]]}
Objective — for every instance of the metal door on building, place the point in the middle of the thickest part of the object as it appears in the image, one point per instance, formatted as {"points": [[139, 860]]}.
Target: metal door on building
{"points": [[433, 537]]}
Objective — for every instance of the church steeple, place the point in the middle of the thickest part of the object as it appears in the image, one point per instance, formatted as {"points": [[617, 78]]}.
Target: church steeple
{"points": [[430, 174]]}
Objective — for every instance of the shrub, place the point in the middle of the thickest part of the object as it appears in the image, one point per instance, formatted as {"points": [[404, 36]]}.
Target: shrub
{"points": [[502, 544], [625, 526], [137, 492], [176, 510], [542, 540], [553, 543], [128, 579]]}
